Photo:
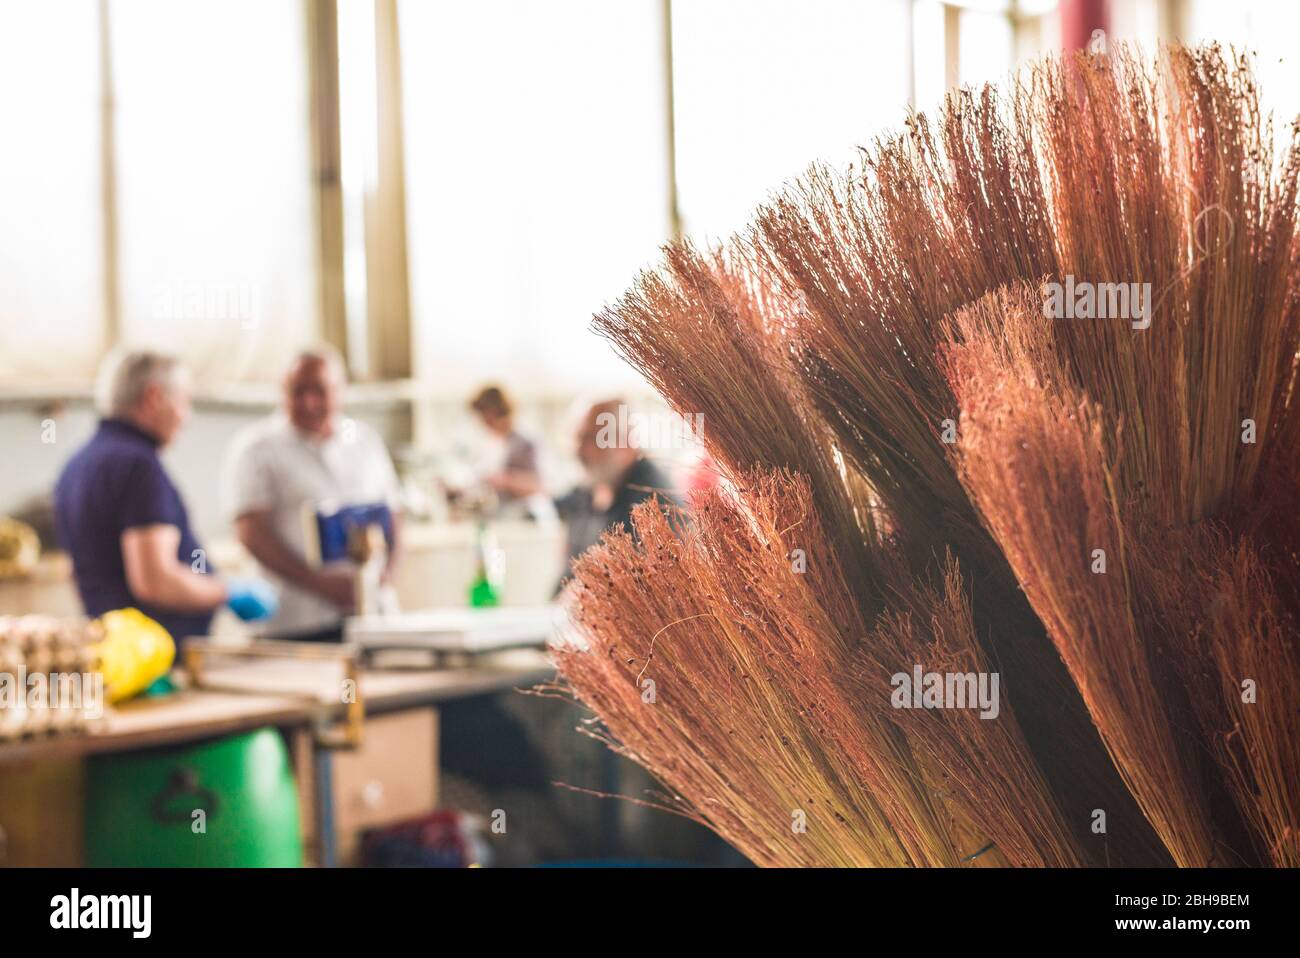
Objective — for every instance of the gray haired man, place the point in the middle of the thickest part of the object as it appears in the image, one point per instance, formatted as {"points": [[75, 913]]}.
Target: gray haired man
{"points": [[123, 521]]}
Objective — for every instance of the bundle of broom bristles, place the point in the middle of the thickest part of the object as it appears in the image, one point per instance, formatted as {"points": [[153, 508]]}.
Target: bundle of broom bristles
{"points": [[930, 470]]}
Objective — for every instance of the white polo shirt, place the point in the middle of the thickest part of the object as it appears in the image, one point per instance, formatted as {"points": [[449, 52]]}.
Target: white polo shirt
{"points": [[271, 467]]}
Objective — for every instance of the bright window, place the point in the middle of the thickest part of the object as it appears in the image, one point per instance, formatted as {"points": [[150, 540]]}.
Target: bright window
{"points": [[537, 184], [51, 227], [214, 182], [764, 87]]}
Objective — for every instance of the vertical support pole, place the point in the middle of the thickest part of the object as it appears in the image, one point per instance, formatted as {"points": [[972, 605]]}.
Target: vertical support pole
{"points": [[951, 46], [909, 54], [670, 119], [1174, 20], [388, 282], [108, 180], [328, 840], [321, 17], [1079, 18]]}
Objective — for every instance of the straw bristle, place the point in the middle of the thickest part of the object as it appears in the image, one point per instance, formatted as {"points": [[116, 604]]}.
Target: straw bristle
{"points": [[884, 336], [1093, 548], [985, 764], [1230, 639], [744, 718], [762, 695], [1037, 467], [708, 337]]}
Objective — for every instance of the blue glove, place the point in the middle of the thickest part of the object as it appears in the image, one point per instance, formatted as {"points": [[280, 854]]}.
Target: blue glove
{"points": [[251, 599]]}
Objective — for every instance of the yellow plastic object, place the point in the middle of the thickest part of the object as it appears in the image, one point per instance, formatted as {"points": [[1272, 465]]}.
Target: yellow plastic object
{"points": [[135, 652]]}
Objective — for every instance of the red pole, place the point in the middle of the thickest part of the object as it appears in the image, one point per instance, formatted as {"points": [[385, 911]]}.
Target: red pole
{"points": [[1079, 18]]}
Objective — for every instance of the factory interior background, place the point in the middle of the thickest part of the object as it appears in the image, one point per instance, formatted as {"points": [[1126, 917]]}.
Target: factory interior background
{"points": [[443, 195]]}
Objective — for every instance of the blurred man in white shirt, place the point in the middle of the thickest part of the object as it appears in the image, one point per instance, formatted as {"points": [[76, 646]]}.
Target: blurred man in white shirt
{"points": [[304, 458]]}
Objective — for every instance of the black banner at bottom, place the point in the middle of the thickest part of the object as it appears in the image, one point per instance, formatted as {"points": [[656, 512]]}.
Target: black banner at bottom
{"points": [[1225, 908]]}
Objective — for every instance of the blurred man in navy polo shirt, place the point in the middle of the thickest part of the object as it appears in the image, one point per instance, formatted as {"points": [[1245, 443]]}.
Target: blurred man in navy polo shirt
{"points": [[122, 520]]}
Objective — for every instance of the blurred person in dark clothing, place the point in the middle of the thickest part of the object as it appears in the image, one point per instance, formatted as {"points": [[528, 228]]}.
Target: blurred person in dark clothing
{"points": [[619, 477], [122, 520]]}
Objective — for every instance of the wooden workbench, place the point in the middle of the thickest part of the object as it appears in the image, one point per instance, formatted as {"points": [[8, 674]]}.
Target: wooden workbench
{"points": [[41, 780], [251, 695]]}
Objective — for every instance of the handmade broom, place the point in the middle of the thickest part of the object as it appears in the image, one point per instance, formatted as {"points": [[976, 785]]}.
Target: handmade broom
{"points": [[1103, 512]]}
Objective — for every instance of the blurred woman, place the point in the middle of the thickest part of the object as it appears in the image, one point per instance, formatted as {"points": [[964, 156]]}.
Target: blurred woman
{"points": [[512, 468]]}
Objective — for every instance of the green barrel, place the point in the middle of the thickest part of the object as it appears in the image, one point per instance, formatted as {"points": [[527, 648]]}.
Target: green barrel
{"points": [[231, 803]]}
